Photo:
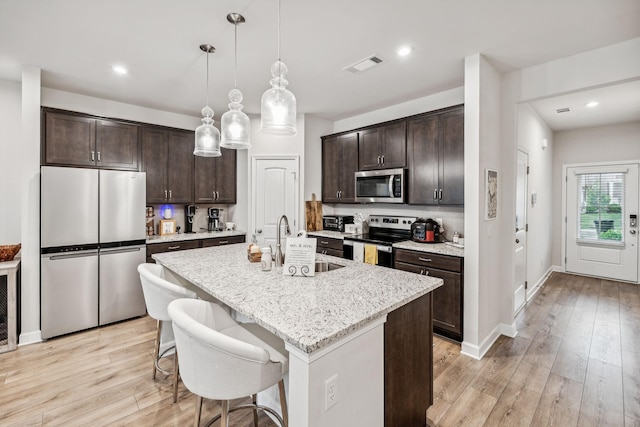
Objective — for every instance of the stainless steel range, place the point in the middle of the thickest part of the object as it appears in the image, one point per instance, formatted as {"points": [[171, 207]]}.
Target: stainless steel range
{"points": [[384, 231]]}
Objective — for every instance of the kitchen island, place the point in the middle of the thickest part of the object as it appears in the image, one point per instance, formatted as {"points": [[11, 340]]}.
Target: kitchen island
{"points": [[365, 328]]}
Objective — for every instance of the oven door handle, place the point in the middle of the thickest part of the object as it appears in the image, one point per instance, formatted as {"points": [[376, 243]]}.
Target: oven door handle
{"points": [[383, 248]]}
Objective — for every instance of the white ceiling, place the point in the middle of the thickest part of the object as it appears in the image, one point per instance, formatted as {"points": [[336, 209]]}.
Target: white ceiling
{"points": [[75, 43]]}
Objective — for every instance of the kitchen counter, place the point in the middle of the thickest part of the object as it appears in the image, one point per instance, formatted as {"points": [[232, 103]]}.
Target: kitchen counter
{"points": [[307, 312], [436, 248], [367, 328], [193, 236]]}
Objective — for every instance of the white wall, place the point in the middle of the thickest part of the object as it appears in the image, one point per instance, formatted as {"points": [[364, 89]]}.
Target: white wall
{"points": [[314, 128], [10, 162], [409, 108], [587, 145], [531, 130]]}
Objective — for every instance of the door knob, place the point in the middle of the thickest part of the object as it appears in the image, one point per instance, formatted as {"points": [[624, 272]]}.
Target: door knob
{"points": [[632, 231], [259, 231], [517, 240]]}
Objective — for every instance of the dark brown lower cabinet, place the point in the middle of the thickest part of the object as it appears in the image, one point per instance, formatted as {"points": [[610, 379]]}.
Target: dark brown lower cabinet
{"points": [[156, 248], [330, 246], [447, 299], [408, 364]]}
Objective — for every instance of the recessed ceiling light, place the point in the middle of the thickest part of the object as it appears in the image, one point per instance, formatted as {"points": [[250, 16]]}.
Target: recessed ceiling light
{"points": [[119, 69], [592, 104], [404, 50]]}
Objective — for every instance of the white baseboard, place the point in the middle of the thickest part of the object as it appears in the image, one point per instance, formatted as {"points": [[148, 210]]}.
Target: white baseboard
{"points": [[557, 268], [27, 338], [540, 282], [478, 352]]}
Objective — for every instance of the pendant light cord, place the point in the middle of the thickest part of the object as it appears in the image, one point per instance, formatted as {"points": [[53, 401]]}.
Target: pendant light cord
{"points": [[207, 79], [235, 57], [278, 30]]}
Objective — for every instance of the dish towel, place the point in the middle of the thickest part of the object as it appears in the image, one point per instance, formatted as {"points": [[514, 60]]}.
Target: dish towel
{"points": [[358, 252], [371, 254]]}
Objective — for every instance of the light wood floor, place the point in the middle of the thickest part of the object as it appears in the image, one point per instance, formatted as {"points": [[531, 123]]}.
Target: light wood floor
{"points": [[575, 362]]}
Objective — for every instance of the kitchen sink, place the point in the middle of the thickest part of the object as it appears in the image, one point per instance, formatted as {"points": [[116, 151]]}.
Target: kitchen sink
{"points": [[326, 266]]}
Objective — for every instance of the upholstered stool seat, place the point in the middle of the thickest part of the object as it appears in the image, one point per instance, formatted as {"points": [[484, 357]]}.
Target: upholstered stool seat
{"points": [[221, 359], [158, 293]]}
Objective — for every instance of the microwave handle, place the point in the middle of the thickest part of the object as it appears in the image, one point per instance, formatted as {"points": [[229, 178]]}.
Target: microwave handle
{"points": [[391, 185]]}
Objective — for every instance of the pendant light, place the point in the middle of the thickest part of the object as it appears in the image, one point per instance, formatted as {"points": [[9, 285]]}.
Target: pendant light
{"points": [[207, 136], [235, 123], [278, 106]]}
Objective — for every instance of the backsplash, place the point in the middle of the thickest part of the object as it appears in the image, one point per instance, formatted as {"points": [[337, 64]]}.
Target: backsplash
{"points": [[200, 221]]}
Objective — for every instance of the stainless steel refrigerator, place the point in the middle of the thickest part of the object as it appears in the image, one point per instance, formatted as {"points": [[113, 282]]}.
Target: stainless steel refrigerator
{"points": [[92, 238]]}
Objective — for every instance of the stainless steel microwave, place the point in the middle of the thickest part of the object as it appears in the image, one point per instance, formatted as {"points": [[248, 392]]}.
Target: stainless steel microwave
{"points": [[380, 186]]}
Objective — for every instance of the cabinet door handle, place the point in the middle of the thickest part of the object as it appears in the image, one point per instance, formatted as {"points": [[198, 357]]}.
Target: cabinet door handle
{"points": [[223, 242], [435, 194], [425, 259], [170, 196], [324, 243], [440, 194], [93, 156], [166, 196], [217, 195], [382, 157], [99, 156], [173, 248]]}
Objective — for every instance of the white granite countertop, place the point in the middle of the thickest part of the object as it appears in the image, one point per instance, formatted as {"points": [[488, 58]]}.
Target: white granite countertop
{"points": [[308, 312], [193, 236], [435, 248]]}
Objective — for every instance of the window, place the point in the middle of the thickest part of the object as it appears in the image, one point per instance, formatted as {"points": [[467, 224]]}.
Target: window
{"points": [[601, 206]]}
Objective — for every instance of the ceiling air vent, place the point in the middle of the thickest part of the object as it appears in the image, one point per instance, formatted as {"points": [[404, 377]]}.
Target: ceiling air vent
{"points": [[563, 110], [363, 64]]}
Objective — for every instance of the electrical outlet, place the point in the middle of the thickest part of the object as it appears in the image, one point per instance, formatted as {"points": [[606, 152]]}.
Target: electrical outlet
{"points": [[330, 392]]}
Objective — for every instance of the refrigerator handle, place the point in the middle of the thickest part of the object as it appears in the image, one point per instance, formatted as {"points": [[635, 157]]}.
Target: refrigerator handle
{"points": [[73, 255], [120, 250]]}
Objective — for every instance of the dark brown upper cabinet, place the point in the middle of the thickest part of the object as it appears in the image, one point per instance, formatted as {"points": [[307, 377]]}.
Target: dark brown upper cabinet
{"points": [[168, 161], [215, 178], [383, 147], [339, 165], [79, 140], [435, 153]]}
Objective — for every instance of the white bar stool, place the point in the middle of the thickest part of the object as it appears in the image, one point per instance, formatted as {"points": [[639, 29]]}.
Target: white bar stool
{"points": [[158, 293], [221, 359]]}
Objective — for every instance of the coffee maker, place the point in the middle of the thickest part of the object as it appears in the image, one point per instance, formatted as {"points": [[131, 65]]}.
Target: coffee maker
{"points": [[189, 214], [214, 219]]}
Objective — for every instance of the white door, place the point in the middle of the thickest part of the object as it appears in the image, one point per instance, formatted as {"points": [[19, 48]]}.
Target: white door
{"points": [[275, 193], [520, 238], [601, 202]]}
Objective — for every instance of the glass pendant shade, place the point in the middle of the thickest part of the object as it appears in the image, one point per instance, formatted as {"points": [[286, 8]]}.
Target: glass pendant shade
{"points": [[278, 106], [235, 124], [207, 136]]}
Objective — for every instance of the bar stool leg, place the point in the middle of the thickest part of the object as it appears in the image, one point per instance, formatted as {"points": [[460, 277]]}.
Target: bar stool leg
{"points": [[176, 375], [196, 421], [224, 415], [156, 350], [283, 403], [254, 398]]}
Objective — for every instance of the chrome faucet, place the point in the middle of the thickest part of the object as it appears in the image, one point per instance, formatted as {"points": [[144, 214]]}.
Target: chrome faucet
{"points": [[279, 256]]}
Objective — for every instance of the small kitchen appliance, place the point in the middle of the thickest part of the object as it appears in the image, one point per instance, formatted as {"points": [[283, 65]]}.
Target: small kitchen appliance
{"points": [[336, 222], [214, 219], [189, 214], [425, 231]]}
